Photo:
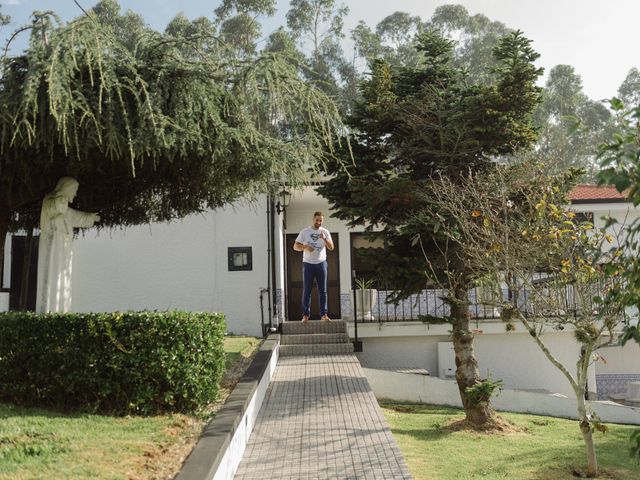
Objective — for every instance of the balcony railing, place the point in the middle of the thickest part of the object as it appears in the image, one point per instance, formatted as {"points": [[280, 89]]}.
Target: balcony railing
{"points": [[430, 305]]}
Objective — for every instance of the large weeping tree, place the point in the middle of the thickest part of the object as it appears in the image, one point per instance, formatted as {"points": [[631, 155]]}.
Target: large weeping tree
{"points": [[153, 125], [414, 125]]}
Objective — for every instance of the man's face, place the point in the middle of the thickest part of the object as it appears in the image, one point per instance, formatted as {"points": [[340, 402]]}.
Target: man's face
{"points": [[317, 221]]}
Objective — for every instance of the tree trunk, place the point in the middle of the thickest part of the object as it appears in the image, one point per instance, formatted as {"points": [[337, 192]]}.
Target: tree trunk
{"points": [[587, 434], [478, 411], [585, 425]]}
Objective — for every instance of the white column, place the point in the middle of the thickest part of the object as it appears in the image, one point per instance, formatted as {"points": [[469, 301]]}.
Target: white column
{"points": [[279, 247]]}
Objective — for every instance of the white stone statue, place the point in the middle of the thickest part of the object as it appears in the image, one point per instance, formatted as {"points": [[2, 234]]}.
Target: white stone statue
{"points": [[57, 221]]}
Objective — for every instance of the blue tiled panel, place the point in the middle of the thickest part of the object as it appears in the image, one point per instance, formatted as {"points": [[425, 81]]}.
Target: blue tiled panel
{"points": [[280, 304], [610, 384], [345, 305]]}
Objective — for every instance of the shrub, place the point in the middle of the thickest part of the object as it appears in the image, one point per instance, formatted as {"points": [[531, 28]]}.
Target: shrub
{"points": [[133, 362]]}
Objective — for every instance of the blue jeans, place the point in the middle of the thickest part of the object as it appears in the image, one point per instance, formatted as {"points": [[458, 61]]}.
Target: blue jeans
{"points": [[309, 272]]}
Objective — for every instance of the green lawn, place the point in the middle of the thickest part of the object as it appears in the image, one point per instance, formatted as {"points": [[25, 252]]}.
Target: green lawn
{"points": [[237, 348], [546, 448], [37, 443]]}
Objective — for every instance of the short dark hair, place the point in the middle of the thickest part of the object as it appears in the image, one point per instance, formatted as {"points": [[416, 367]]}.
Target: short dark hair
{"points": [[318, 214]]}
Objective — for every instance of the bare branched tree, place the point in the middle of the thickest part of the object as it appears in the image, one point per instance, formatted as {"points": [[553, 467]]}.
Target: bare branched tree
{"points": [[538, 263]]}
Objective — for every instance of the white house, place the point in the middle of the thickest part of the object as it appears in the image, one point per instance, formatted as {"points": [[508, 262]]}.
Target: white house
{"points": [[240, 261]]}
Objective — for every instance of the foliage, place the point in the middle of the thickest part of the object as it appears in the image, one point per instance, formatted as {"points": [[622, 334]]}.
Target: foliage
{"points": [[477, 36], [33, 440], [364, 284], [483, 390], [316, 27], [154, 127], [620, 160], [629, 90], [571, 125], [4, 19], [134, 362], [394, 39], [510, 224], [412, 125], [239, 26]]}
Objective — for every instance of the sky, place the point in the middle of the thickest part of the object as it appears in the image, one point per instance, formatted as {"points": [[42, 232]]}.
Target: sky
{"points": [[597, 37]]}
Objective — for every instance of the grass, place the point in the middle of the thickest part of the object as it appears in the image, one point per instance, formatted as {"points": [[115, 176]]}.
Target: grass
{"points": [[537, 448], [238, 348], [36, 443]]}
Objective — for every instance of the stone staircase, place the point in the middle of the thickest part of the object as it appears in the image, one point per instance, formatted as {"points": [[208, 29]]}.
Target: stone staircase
{"points": [[315, 338]]}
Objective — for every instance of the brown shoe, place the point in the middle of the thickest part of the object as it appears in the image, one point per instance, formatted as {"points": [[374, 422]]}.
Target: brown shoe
{"points": [[305, 318], [325, 318]]}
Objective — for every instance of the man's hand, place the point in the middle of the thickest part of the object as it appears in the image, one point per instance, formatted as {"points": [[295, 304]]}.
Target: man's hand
{"points": [[328, 243], [309, 248]]}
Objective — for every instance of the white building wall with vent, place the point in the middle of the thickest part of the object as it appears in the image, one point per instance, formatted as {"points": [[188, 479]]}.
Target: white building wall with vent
{"points": [[512, 357], [181, 264]]}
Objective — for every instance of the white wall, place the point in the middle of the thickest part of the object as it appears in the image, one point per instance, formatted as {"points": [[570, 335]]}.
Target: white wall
{"points": [[511, 357], [619, 360], [177, 265], [625, 213], [419, 388]]}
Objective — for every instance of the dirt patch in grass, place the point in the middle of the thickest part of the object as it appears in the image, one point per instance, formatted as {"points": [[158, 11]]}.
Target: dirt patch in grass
{"points": [[576, 473], [497, 426], [164, 460], [403, 408]]}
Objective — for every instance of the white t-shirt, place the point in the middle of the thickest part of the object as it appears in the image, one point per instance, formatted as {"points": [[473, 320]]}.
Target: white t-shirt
{"points": [[311, 236]]}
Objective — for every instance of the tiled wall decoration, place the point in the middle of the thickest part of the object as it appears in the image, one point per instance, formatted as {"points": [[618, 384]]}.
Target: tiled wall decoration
{"points": [[345, 305], [280, 304], [613, 384]]}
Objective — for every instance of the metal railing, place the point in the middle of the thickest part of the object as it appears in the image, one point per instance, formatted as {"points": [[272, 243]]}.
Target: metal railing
{"points": [[430, 305]]}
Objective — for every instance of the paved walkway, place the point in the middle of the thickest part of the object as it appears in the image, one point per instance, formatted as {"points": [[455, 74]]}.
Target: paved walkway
{"points": [[320, 420]]}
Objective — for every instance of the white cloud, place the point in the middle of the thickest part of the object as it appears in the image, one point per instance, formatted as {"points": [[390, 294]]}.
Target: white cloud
{"points": [[12, 2]]}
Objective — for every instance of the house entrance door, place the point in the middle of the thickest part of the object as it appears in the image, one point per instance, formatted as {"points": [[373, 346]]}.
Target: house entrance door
{"points": [[294, 282]]}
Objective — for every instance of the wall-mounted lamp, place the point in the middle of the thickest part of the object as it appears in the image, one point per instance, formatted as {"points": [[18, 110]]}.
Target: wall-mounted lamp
{"points": [[284, 198]]}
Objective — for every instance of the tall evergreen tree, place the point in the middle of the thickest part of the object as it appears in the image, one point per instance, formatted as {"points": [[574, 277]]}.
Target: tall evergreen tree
{"points": [[317, 26], [239, 24], [571, 125], [414, 124], [629, 91], [4, 19]]}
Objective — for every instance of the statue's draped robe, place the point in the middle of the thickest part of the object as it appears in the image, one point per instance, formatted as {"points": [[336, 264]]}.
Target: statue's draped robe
{"points": [[57, 221]]}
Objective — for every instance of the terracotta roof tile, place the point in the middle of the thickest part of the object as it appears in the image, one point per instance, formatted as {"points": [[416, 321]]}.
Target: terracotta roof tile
{"points": [[586, 192]]}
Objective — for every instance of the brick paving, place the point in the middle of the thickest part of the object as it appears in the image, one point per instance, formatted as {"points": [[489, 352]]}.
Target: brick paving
{"points": [[320, 420]]}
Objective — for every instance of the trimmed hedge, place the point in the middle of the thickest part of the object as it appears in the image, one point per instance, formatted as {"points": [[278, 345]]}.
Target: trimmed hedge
{"points": [[118, 363]]}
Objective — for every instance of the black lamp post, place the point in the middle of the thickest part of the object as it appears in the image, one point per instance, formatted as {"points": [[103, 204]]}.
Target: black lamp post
{"points": [[284, 197]]}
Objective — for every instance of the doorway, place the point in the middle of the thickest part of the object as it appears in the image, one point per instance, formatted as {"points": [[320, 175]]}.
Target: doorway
{"points": [[294, 282]]}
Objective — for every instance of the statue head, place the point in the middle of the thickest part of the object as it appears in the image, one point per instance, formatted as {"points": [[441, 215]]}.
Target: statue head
{"points": [[66, 187]]}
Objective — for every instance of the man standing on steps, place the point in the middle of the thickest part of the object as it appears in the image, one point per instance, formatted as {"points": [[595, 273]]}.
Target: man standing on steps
{"points": [[314, 241]]}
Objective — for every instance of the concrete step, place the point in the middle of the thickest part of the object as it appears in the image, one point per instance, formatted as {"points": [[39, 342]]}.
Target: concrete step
{"points": [[313, 338], [313, 326], [316, 349]]}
